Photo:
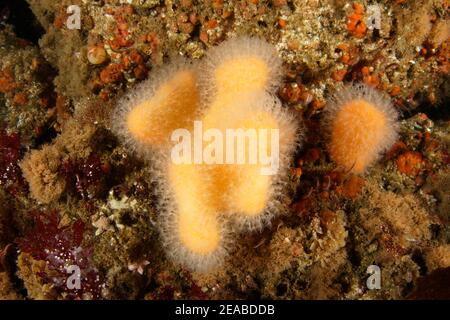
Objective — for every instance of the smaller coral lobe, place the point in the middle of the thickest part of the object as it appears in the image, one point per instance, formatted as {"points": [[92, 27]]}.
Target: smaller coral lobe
{"points": [[363, 125]]}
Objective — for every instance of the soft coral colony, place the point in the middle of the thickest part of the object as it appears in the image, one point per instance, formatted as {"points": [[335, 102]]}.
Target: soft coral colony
{"points": [[203, 206]]}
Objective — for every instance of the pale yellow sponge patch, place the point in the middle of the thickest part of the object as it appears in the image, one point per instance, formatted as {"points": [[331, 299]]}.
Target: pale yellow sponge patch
{"points": [[153, 120], [362, 125], [147, 116]]}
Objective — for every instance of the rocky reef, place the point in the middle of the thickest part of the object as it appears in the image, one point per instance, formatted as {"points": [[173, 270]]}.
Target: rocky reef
{"points": [[72, 194]]}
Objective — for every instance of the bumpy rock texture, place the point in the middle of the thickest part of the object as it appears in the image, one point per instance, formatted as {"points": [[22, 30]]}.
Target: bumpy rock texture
{"points": [[64, 175]]}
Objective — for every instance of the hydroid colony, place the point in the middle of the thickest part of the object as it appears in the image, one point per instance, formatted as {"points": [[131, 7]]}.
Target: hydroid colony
{"points": [[203, 205]]}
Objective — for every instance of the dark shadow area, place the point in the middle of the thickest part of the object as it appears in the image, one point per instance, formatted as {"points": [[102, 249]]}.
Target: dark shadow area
{"points": [[18, 14]]}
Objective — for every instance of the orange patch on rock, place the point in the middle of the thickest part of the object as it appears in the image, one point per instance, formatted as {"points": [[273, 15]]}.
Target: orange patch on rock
{"points": [[112, 73], [7, 82], [350, 54], [396, 149], [304, 207], [410, 163], [395, 90], [355, 22], [327, 218], [339, 75], [20, 99], [352, 187]]}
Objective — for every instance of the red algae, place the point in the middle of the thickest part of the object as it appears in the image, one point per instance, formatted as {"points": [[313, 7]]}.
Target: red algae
{"points": [[10, 172], [62, 247], [85, 177]]}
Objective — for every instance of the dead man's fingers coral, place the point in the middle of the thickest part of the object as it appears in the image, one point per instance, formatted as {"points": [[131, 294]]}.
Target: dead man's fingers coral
{"points": [[233, 89], [192, 231], [148, 114], [236, 66], [257, 157], [362, 124], [246, 187]]}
